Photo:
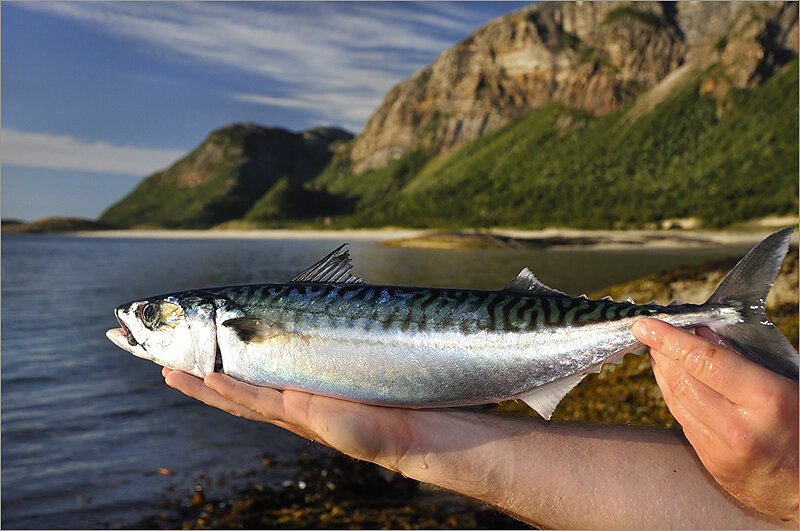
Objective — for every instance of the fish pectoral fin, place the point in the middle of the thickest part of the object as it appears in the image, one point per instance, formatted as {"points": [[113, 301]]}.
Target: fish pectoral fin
{"points": [[254, 329], [544, 399]]}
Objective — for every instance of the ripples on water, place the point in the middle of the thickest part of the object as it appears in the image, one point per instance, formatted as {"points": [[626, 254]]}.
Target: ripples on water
{"points": [[86, 426]]}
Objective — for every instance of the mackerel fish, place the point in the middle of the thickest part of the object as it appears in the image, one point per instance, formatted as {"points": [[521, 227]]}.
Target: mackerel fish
{"points": [[327, 332]]}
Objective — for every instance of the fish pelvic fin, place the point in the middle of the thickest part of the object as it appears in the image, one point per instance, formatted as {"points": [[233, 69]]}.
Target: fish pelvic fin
{"points": [[745, 288], [545, 398]]}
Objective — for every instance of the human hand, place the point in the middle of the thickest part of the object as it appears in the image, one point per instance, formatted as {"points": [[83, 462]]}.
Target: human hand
{"points": [[741, 418], [377, 434], [465, 452]]}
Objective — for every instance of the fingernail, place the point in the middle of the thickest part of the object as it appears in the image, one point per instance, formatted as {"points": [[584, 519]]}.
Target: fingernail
{"points": [[691, 362], [640, 330], [210, 379]]}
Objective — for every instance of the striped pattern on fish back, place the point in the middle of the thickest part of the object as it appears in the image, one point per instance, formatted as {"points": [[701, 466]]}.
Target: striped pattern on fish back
{"points": [[404, 309]]}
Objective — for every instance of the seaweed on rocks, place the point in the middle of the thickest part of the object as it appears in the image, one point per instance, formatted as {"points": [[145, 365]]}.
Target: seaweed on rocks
{"points": [[333, 491]]}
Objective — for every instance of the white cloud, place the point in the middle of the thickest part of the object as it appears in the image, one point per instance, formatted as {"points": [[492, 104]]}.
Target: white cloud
{"points": [[298, 42], [352, 51], [348, 110], [42, 150]]}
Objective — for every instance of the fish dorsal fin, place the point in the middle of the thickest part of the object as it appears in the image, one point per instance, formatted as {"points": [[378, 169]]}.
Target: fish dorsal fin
{"points": [[607, 298], [629, 301], [528, 285], [676, 302], [334, 268], [583, 296], [544, 399]]}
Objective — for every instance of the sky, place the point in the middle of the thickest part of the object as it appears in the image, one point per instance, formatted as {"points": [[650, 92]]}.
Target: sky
{"points": [[94, 96]]}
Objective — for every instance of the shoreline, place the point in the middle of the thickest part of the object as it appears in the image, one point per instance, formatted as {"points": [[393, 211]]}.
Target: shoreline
{"points": [[471, 238], [256, 234]]}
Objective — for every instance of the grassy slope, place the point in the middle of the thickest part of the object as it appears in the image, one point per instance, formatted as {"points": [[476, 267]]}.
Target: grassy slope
{"points": [[681, 160], [370, 187], [187, 206]]}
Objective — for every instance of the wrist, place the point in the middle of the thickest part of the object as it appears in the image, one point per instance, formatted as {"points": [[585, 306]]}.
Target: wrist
{"points": [[469, 453]]}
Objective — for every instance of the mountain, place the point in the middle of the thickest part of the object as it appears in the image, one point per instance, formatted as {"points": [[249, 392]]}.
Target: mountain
{"points": [[589, 56], [225, 176], [683, 163], [575, 114], [654, 111]]}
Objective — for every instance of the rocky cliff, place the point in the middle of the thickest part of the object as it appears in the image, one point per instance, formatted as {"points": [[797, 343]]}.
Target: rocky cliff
{"points": [[225, 176], [591, 56]]}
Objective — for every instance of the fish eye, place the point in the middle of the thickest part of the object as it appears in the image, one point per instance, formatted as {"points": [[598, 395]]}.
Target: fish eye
{"points": [[150, 313]]}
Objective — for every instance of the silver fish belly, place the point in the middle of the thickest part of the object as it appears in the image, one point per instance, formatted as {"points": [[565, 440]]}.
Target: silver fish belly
{"points": [[327, 332]]}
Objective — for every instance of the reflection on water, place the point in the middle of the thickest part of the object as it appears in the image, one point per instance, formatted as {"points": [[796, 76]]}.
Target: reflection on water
{"points": [[86, 426]]}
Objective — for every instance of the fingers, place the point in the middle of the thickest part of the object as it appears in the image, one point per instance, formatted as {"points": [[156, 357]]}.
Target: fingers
{"points": [[719, 368], [266, 402], [729, 407], [269, 404], [698, 380], [238, 398], [194, 387], [362, 431], [688, 399]]}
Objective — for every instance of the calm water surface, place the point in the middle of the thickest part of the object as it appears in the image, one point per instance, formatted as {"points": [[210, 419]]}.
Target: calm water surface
{"points": [[86, 426]]}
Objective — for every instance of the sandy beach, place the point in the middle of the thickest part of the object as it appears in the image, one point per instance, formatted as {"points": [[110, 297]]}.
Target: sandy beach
{"points": [[426, 238], [277, 234], [608, 239]]}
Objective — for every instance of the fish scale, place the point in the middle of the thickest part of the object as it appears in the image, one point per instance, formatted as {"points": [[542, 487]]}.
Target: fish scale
{"points": [[420, 309], [328, 332]]}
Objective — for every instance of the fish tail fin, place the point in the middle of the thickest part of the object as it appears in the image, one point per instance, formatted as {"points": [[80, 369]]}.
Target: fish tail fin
{"points": [[746, 287]]}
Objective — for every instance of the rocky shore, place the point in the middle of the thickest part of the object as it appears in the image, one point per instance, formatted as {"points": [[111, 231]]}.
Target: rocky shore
{"points": [[329, 491], [333, 491], [594, 239]]}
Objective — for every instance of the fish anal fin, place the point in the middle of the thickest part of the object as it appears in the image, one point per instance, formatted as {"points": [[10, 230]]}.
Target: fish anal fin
{"points": [[636, 351], [545, 398], [333, 268], [526, 284]]}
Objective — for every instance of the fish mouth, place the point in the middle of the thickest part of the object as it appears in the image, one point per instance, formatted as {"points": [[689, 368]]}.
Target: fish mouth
{"points": [[124, 330], [128, 334]]}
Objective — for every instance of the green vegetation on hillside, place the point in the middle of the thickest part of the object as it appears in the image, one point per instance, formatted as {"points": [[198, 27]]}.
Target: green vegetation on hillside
{"points": [[225, 176], [188, 206], [288, 200], [631, 13], [51, 224], [371, 186], [681, 160]]}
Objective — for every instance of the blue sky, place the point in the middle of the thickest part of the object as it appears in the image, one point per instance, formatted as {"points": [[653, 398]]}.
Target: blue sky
{"points": [[97, 95]]}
